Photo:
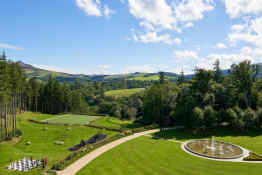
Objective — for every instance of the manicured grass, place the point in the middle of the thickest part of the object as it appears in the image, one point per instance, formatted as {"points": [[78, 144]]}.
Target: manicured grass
{"points": [[147, 156], [250, 140], [123, 92], [42, 142], [115, 123], [72, 119]]}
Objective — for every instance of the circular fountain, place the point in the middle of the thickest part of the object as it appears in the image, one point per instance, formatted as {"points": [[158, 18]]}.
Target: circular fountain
{"points": [[214, 149]]}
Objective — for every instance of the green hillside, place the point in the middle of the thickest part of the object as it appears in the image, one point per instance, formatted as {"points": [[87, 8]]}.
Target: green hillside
{"points": [[43, 75], [123, 92]]}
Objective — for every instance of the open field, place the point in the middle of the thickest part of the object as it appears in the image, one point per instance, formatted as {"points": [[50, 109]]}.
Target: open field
{"points": [[145, 78], [147, 156], [72, 119], [115, 123], [42, 142], [123, 92]]}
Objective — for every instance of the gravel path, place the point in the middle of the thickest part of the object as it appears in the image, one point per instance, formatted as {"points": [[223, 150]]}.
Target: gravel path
{"points": [[81, 163]]}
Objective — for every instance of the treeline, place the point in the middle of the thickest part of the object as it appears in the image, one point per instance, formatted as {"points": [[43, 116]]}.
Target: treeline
{"points": [[209, 99], [12, 96]]}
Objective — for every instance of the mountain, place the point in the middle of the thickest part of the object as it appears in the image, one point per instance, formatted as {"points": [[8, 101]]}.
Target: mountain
{"points": [[43, 75]]}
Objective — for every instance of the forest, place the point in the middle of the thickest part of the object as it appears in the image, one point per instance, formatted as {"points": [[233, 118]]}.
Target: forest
{"points": [[210, 99]]}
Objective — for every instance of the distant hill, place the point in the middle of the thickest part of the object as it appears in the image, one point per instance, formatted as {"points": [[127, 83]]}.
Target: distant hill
{"points": [[43, 75]]}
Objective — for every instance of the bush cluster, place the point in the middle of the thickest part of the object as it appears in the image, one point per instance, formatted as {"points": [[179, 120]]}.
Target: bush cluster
{"points": [[253, 157]]}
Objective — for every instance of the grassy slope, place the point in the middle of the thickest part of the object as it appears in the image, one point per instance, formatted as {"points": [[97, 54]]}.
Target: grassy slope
{"points": [[145, 78], [146, 156], [123, 92], [42, 142], [115, 123], [72, 119]]}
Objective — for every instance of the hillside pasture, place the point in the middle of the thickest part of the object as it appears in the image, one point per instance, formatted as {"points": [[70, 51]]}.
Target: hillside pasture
{"points": [[123, 92], [71, 119]]}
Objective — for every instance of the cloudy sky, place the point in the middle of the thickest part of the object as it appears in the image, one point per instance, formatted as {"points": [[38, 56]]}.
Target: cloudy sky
{"points": [[123, 36]]}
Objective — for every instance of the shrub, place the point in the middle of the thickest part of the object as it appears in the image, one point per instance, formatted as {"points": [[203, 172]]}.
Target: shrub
{"points": [[253, 157], [240, 113], [128, 132], [18, 133], [197, 117], [210, 116], [249, 118], [259, 117], [231, 117]]}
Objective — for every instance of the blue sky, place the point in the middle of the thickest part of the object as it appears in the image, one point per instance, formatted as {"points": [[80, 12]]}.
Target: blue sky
{"points": [[123, 36]]}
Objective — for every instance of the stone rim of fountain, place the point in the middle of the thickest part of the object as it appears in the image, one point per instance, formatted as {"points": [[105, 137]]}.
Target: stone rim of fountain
{"points": [[214, 157]]}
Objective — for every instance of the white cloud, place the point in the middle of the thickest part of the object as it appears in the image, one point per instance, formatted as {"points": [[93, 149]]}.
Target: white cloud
{"points": [[186, 55], [189, 25], [108, 11], [103, 69], [188, 60], [192, 10], [142, 68], [238, 27], [91, 7], [220, 46], [153, 37], [237, 8], [155, 12], [94, 8], [9, 46], [250, 32], [167, 16], [177, 41]]}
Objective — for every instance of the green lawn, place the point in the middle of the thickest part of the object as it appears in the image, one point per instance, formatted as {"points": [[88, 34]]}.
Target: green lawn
{"points": [[147, 156], [250, 140], [123, 92], [42, 142], [72, 119], [112, 122]]}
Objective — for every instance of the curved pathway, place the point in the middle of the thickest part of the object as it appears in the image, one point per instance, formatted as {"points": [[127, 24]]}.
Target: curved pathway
{"points": [[81, 163]]}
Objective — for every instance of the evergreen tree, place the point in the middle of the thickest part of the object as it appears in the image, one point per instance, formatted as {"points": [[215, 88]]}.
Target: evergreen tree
{"points": [[218, 74]]}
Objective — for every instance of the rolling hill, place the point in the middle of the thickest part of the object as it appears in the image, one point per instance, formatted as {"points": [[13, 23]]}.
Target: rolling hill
{"points": [[43, 75]]}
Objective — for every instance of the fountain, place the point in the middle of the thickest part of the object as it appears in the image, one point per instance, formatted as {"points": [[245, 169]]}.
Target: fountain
{"points": [[214, 149]]}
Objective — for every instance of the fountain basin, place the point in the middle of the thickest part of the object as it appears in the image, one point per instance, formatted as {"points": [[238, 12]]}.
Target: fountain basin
{"points": [[214, 149]]}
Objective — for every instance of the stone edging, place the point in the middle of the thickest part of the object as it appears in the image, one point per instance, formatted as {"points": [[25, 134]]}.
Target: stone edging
{"points": [[213, 157]]}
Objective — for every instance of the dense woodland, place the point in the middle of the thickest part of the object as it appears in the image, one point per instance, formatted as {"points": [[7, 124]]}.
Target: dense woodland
{"points": [[210, 99]]}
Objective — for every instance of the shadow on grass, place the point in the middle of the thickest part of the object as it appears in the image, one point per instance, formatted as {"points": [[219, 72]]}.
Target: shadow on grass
{"points": [[184, 134]]}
